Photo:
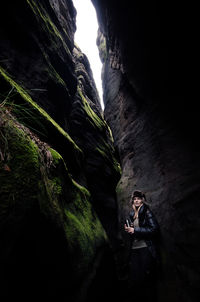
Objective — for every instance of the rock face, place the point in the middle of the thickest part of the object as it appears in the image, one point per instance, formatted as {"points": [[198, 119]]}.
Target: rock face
{"points": [[94, 137], [151, 108], [58, 167]]}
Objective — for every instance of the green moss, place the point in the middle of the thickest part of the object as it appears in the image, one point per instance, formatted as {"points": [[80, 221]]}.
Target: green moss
{"points": [[55, 155], [41, 113], [48, 197], [47, 24], [83, 230], [81, 188], [81, 218], [103, 148], [107, 152], [69, 203], [19, 171], [111, 136], [51, 70], [34, 179], [93, 117], [57, 186]]}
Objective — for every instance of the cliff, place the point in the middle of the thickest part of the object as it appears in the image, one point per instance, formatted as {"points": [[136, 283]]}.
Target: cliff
{"points": [[58, 167], [67, 170], [149, 55]]}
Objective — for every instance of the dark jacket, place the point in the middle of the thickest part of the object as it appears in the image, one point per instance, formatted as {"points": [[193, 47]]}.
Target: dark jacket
{"points": [[148, 229]]}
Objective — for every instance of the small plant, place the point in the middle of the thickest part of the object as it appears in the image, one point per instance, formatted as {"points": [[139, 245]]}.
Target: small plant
{"points": [[21, 111]]}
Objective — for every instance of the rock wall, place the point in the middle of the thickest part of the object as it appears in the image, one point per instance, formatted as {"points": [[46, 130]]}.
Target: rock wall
{"points": [[151, 107], [58, 167]]}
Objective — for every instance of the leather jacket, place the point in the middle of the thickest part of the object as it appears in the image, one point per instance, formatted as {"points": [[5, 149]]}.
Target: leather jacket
{"points": [[148, 229]]}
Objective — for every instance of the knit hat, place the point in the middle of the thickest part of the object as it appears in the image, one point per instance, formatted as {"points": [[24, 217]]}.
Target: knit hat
{"points": [[139, 194]]}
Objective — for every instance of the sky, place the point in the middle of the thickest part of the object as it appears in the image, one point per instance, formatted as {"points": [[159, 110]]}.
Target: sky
{"points": [[85, 38]]}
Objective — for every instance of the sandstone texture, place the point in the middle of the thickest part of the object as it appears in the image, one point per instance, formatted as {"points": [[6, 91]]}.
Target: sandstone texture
{"points": [[58, 165], [151, 107], [67, 170]]}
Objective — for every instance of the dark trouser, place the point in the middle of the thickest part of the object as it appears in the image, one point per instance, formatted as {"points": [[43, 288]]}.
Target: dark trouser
{"points": [[142, 275]]}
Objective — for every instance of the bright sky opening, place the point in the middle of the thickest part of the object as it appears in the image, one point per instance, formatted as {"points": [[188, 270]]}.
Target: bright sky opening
{"points": [[85, 38]]}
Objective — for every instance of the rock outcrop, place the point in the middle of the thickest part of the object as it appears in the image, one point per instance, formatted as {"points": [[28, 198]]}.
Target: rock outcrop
{"points": [[151, 108], [60, 214], [58, 167]]}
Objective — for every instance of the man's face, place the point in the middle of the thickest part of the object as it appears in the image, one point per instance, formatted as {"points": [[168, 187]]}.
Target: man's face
{"points": [[137, 201]]}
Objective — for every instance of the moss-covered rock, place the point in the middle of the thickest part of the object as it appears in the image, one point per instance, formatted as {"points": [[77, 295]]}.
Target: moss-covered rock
{"points": [[33, 116], [52, 241], [48, 25], [19, 171], [36, 183], [93, 135], [36, 49]]}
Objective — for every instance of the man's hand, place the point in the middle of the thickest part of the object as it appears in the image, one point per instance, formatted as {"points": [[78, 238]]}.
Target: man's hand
{"points": [[129, 230]]}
